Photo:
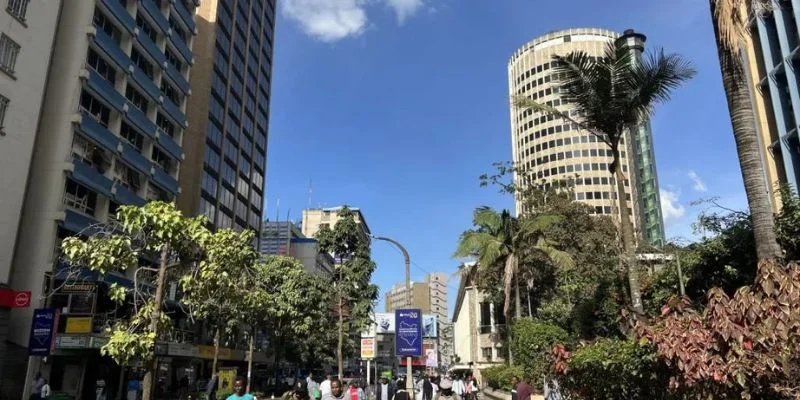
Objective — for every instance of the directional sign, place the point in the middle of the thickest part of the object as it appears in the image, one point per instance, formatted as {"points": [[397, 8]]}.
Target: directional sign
{"points": [[408, 328], [41, 331]]}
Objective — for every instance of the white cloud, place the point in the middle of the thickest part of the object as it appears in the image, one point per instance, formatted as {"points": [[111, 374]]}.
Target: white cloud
{"points": [[404, 8], [699, 185], [671, 208], [328, 20]]}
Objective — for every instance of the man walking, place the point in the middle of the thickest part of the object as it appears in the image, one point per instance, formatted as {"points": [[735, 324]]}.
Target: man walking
{"points": [[523, 390], [446, 390], [325, 386], [336, 390], [385, 390]]}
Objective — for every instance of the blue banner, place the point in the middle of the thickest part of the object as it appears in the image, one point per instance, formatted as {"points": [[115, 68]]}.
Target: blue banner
{"points": [[408, 328], [42, 328]]}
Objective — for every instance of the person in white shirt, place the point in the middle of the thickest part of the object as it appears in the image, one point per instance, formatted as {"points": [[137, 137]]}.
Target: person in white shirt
{"points": [[46, 390], [458, 387], [325, 386]]}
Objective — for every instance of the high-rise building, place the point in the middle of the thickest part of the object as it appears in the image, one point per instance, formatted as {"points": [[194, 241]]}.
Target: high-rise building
{"points": [[285, 239], [552, 150], [316, 218], [110, 133], [775, 92], [26, 37], [430, 296], [226, 145]]}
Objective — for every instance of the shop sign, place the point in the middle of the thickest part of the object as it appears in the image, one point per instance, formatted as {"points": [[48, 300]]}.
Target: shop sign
{"points": [[98, 342], [183, 350], [41, 335], [12, 299], [72, 342], [207, 352], [367, 348], [77, 288], [79, 325]]}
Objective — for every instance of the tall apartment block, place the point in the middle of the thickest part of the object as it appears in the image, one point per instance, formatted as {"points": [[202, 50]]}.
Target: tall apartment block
{"points": [[226, 142], [551, 150], [774, 78], [110, 133], [430, 296], [26, 36], [284, 238]]}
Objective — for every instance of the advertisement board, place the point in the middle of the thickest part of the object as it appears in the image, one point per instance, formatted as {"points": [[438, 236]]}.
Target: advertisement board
{"points": [[384, 323], [78, 325], [367, 348], [430, 326], [408, 328], [41, 336]]}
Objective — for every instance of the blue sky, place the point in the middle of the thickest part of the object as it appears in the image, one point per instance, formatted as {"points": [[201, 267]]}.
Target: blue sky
{"points": [[397, 106]]}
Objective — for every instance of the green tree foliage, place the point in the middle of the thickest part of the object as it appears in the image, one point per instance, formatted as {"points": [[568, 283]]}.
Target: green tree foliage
{"points": [[614, 94], [499, 376], [532, 346], [156, 231], [353, 292], [612, 369]]}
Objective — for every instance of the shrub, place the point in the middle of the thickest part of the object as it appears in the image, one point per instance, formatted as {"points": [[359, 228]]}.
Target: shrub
{"points": [[614, 369], [531, 345], [499, 376]]}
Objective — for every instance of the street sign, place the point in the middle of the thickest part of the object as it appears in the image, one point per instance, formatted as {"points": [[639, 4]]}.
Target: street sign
{"points": [[22, 299], [41, 331], [408, 328], [367, 348]]}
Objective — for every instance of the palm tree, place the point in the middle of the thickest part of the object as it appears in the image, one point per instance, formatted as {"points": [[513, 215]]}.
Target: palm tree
{"points": [[613, 95], [498, 241], [730, 27]]}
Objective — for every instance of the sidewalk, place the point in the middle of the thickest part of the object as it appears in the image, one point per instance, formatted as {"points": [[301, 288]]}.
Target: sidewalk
{"points": [[503, 395]]}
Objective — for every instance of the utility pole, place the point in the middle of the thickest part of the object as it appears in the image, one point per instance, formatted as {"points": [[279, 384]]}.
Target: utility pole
{"points": [[407, 260], [680, 276]]}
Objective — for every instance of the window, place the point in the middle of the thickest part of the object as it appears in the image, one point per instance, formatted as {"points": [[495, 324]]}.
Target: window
{"points": [[214, 134], [136, 98], [165, 125], [241, 210], [3, 108], [79, 198], [162, 159], [126, 176], [173, 59], [208, 209], [242, 187], [146, 28], [231, 151], [18, 8], [226, 197], [244, 168], [258, 179], [217, 110], [224, 220], [177, 29], [95, 108], [97, 63], [212, 159], [8, 54], [209, 184], [100, 21], [142, 63], [171, 93], [228, 174], [131, 136]]}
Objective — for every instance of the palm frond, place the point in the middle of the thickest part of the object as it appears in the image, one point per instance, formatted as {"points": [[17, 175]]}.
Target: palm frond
{"points": [[539, 223], [509, 273], [657, 76], [559, 258], [730, 16], [486, 218], [471, 242]]}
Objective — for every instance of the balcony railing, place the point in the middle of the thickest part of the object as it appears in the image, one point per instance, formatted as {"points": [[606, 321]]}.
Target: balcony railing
{"points": [[174, 112], [170, 145], [120, 14], [90, 127], [182, 47], [87, 176], [163, 180], [108, 45], [178, 79], [154, 11], [135, 159], [150, 48], [106, 91], [183, 12], [146, 84]]}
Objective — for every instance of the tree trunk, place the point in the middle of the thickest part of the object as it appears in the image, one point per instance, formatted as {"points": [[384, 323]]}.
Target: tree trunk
{"points": [[216, 352], [518, 302], [340, 345], [149, 376], [530, 307], [740, 109], [250, 360], [628, 242]]}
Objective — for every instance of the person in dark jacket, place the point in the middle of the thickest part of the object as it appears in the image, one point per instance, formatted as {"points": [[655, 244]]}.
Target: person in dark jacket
{"points": [[427, 388], [385, 390]]}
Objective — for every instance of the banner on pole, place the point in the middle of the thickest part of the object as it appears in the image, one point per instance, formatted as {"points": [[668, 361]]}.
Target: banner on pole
{"points": [[408, 327], [367, 348]]}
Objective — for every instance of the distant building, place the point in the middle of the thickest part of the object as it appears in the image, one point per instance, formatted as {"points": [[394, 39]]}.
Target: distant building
{"points": [[476, 325], [286, 239], [315, 218], [429, 296]]}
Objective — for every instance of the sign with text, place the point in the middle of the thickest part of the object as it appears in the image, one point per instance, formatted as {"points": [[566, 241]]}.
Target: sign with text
{"points": [[367, 348], [41, 336], [12, 299], [408, 328], [79, 325]]}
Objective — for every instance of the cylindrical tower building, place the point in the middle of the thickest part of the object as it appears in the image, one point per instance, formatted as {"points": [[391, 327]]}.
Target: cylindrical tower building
{"points": [[550, 149]]}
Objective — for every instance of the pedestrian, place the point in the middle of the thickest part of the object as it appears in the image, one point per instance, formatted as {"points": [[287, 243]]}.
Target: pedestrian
{"points": [[134, 385], [524, 390], [212, 386], [311, 384], [427, 388], [336, 390], [446, 390], [239, 390], [458, 387], [325, 386], [385, 390], [45, 390], [36, 386], [402, 392], [355, 392], [471, 387]]}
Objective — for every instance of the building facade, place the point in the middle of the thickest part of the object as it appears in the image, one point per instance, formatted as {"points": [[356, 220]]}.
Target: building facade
{"points": [[775, 91], [286, 239], [551, 150], [110, 133], [223, 174], [476, 325], [420, 297], [316, 218], [26, 38]]}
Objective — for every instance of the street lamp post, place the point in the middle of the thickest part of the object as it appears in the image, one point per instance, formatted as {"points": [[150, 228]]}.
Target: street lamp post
{"points": [[407, 260]]}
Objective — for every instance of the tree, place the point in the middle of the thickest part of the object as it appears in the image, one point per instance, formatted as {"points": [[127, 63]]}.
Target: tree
{"points": [[353, 292], [731, 19], [156, 231], [615, 94], [216, 290], [498, 241]]}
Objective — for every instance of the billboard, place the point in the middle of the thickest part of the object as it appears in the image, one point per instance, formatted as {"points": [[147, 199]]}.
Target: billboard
{"points": [[42, 328], [408, 328], [367, 348], [384, 322], [430, 328]]}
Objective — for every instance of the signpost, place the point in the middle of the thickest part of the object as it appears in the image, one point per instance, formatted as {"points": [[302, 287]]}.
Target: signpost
{"points": [[408, 325], [42, 327]]}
